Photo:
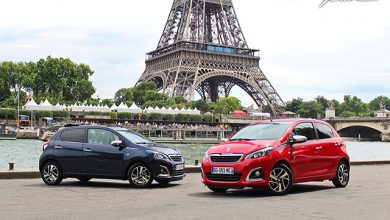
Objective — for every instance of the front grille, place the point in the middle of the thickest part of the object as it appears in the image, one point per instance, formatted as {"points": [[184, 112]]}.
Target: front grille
{"points": [[220, 158], [178, 173], [176, 158], [224, 177]]}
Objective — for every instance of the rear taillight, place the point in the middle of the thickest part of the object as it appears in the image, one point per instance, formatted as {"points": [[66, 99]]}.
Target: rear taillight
{"points": [[45, 145]]}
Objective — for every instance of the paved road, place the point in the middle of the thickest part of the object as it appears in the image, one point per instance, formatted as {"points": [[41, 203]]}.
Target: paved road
{"points": [[367, 197]]}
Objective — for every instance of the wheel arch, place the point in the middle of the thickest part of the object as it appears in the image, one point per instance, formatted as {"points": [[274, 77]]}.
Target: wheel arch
{"points": [[47, 160], [131, 163]]}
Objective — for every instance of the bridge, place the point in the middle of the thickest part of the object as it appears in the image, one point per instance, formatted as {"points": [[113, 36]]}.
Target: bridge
{"points": [[376, 129]]}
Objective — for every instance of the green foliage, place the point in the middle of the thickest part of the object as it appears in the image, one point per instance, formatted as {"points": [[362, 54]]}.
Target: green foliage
{"points": [[139, 92], [197, 118], [168, 117], [293, 106], [145, 116], [8, 113], [376, 103], [226, 105], [310, 109], [180, 100], [57, 79], [155, 117], [355, 105], [108, 102], [125, 115], [61, 114], [200, 104], [41, 114], [93, 101], [209, 118], [182, 117], [124, 95]]}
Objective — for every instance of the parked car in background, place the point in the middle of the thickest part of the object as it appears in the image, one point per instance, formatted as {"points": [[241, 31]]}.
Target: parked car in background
{"points": [[86, 152], [275, 154]]}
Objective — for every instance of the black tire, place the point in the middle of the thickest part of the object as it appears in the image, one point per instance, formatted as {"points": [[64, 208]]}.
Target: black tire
{"points": [[342, 175], [281, 180], [51, 173], [84, 179], [163, 182], [140, 175], [218, 189]]}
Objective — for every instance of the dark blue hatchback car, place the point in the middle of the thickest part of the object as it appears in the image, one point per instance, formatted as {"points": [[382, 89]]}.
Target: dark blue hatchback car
{"points": [[85, 152]]}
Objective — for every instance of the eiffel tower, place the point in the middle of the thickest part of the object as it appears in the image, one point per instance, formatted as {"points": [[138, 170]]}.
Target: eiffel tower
{"points": [[202, 49]]}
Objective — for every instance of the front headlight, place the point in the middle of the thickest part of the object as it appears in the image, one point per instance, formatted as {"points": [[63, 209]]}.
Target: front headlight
{"points": [[206, 155], [158, 155], [260, 153]]}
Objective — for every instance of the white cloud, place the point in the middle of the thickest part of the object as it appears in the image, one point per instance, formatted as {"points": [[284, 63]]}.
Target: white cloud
{"points": [[306, 51]]}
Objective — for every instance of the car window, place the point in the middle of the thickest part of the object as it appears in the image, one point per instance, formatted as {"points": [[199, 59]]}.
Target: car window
{"points": [[134, 137], [101, 137], [73, 135], [305, 129], [323, 131]]}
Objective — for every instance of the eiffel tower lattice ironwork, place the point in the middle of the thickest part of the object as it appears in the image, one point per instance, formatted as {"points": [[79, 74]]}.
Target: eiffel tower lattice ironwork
{"points": [[202, 49]]}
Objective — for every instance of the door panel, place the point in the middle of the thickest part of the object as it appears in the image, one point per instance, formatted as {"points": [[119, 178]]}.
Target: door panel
{"points": [[69, 150], [330, 147], [306, 157], [100, 157]]}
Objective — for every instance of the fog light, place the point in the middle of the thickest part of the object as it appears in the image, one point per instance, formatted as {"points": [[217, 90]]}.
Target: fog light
{"points": [[256, 174], [164, 172]]}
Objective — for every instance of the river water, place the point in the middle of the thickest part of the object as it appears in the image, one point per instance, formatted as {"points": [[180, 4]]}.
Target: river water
{"points": [[25, 153]]}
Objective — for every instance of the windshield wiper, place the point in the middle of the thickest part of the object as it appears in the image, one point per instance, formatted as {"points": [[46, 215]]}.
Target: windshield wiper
{"points": [[242, 139], [143, 143]]}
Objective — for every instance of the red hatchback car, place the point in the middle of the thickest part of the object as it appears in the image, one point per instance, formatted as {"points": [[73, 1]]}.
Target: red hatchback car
{"points": [[275, 154]]}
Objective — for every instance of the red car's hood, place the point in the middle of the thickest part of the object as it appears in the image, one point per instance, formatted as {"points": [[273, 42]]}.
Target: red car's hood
{"points": [[240, 147]]}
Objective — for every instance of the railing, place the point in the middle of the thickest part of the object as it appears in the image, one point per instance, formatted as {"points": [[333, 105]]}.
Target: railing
{"points": [[211, 48]]}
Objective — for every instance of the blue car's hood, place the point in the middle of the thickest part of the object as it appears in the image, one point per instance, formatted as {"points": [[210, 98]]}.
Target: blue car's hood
{"points": [[159, 148]]}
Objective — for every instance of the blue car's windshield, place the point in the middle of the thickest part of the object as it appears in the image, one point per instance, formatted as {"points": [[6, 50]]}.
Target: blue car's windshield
{"points": [[134, 137], [266, 131]]}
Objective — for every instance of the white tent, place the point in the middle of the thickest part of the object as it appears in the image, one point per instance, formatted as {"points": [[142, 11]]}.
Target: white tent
{"points": [[123, 108], [135, 109], [46, 106], [59, 107], [114, 107], [31, 105]]}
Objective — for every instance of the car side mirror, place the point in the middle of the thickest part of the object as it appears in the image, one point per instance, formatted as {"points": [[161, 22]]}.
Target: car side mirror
{"points": [[296, 139], [118, 143]]}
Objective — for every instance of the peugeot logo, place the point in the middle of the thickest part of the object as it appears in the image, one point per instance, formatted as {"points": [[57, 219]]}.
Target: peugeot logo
{"points": [[228, 150]]}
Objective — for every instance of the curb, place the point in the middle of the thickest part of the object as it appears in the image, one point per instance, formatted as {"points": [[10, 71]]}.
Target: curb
{"points": [[34, 174]]}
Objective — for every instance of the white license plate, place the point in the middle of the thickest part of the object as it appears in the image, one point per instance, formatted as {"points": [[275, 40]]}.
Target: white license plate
{"points": [[222, 170], [180, 167]]}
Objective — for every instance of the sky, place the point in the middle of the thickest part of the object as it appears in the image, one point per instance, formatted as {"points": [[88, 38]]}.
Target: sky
{"points": [[306, 51]]}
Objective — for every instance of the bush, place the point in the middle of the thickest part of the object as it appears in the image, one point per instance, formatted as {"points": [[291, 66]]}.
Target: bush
{"points": [[208, 118], [60, 114], [168, 117], [145, 116], [155, 117], [182, 117], [196, 118], [41, 114], [8, 113], [124, 115]]}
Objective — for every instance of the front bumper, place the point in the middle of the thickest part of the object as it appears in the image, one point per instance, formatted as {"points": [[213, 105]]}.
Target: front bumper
{"points": [[166, 171], [247, 173]]}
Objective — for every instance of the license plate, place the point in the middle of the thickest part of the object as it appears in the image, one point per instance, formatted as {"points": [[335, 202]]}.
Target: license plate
{"points": [[180, 167], [222, 170]]}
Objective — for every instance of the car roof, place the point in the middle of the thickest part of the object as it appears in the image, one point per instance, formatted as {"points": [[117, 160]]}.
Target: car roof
{"points": [[290, 120], [93, 126]]}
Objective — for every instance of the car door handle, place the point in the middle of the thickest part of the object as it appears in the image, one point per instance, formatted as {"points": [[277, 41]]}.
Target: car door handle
{"points": [[87, 150], [58, 147], [337, 144], [319, 148]]}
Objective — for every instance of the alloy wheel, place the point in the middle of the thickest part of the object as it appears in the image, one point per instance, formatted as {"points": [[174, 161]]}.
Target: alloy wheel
{"points": [[140, 175], [280, 180], [51, 173], [343, 174]]}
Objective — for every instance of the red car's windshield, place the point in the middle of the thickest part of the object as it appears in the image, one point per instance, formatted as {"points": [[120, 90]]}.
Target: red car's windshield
{"points": [[266, 131]]}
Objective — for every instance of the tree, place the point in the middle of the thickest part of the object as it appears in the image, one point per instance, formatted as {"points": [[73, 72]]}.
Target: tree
{"points": [[375, 104], [140, 90], [93, 101], [322, 101], [310, 109], [355, 105], [108, 102], [124, 95], [293, 105], [226, 105]]}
